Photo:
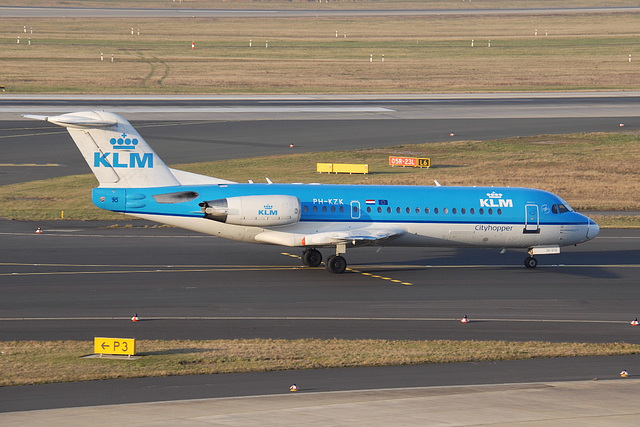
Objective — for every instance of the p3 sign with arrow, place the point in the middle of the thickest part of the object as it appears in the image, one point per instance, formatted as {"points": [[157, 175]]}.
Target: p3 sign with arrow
{"points": [[125, 346]]}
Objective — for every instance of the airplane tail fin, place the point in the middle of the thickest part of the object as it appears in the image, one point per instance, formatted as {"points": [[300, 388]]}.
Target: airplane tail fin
{"points": [[116, 153]]}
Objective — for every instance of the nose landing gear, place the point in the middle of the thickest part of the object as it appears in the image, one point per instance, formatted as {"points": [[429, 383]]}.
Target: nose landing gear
{"points": [[530, 262]]}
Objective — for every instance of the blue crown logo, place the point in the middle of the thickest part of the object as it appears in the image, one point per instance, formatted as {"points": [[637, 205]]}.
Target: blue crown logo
{"points": [[124, 143], [494, 195], [268, 206]]}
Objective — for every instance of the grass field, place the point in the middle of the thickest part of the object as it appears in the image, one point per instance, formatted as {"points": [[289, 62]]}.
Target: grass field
{"points": [[421, 54], [31, 362], [317, 4], [591, 171]]}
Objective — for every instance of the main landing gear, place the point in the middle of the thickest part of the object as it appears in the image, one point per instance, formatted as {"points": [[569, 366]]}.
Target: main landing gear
{"points": [[335, 263], [311, 258]]}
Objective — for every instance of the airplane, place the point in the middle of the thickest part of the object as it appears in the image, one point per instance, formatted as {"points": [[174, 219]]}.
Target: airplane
{"points": [[133, 180]]}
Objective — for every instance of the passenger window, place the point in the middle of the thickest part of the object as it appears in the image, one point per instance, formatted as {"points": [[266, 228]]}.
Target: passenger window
{"points": [[389, 210], [408, 210], [341, 208], [355, 209], [454, 211], [306, 209], [499, 211], [379, 209], [315, 209], [426, 210], [417, 210], [436, 210], [472, 211], [481, 211], [324, 209], [445, 210], [398, 210], [490, 211], [463, 211], [333, 208]]}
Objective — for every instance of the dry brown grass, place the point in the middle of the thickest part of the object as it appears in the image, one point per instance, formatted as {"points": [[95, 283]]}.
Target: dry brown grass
{"points": [[35, 362], [422, 54], [591, 171], [315, 4]]}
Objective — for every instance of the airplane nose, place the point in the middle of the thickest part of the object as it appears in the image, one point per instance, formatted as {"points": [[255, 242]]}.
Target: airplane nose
{"points": [[593, 229]]}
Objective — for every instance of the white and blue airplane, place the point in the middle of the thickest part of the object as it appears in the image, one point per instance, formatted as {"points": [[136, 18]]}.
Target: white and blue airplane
{"points": [[135, 181]]}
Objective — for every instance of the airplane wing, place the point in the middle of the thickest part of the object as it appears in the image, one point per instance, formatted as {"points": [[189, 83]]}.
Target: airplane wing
{"points": [[358, 237], [353, 237]]}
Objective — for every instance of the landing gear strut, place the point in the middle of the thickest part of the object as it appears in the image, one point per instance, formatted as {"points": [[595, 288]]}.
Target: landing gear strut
{"points": [[311, 258]]}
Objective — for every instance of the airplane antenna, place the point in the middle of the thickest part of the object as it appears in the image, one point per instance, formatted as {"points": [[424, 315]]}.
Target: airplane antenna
{"points": [[269, 181], [250, 181], [437, 183]]}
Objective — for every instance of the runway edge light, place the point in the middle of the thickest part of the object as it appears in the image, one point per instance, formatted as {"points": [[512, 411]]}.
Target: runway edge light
{"points": [[135, 318], [624, 374], [634, 322], [464, 319], [294, 388]]}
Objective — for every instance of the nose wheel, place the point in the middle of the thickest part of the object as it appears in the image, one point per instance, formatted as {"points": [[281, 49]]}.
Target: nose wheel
{"points": [[530, 262]]}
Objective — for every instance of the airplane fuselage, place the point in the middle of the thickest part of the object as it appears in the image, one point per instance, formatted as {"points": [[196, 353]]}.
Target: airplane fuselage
{"points": [[419, 215]]}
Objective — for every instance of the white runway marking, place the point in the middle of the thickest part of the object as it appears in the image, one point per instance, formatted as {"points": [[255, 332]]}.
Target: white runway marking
{"points": [[325, 318]]}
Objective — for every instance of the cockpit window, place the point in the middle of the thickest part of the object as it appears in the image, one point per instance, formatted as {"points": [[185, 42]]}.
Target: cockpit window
{"points": [[560, 208]]}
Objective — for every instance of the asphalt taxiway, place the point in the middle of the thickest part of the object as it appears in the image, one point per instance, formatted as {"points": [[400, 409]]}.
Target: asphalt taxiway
{"points": [[78, 280], [185, 129]]}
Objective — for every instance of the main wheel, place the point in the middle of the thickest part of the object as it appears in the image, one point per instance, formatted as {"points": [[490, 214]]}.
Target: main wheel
{"points": [[336, 264], [311, 258], [530, 262]]}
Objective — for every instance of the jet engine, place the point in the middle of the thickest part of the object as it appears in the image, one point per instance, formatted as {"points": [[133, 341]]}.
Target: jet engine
{"points": [[262, 211]]}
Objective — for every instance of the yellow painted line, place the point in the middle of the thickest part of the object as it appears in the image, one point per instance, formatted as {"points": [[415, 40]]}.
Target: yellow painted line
{"points": [[29, 164], [220, 269], [353, 270], [31, 134], [177, 266], [290, 255]]}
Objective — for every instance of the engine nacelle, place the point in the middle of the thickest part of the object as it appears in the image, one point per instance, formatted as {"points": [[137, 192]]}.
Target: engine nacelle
{"points": [[261, 211]]}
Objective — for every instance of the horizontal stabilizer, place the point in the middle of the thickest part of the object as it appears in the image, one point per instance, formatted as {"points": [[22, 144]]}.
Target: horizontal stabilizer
{"points": [[73, 120]]}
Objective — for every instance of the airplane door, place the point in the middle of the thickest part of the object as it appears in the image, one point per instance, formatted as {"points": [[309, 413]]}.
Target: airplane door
{"points": [[355, 209], [532, 219]]}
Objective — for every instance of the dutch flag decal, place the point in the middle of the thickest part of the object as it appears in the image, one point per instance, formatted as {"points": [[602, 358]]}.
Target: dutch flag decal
{"points": [[371, 202]]}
